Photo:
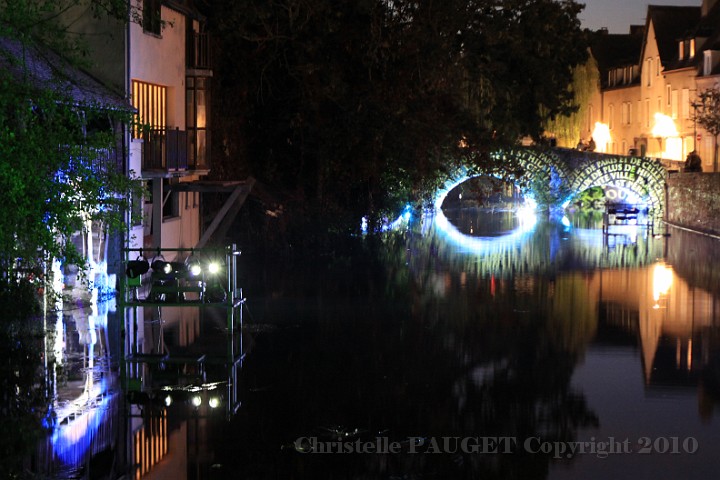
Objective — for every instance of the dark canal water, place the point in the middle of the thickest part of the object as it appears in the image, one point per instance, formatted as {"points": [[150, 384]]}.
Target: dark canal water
{"points": [[505, 348]]}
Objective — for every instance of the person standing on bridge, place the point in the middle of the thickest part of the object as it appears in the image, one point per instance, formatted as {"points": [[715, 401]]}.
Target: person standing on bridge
{"points": [[591, 145], [693, 163]]}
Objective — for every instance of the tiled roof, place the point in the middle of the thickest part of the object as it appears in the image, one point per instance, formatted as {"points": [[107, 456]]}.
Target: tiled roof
{"points": [[709, 29], [614, 50], [671, 24], [44, 68]]}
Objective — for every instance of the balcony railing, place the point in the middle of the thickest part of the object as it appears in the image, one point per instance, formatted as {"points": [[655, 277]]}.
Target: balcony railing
{"points": [[199, 51], [165, 149]]}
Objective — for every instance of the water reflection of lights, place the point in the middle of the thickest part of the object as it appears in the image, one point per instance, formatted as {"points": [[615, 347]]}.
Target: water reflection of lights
{"points": [[403, 219], [78, 422], [194, 395], [662, 281], [487, 245]]}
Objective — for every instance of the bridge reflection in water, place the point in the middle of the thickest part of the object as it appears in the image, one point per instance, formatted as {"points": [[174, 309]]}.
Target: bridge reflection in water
{"points": [[661, 289], [444, 350]]}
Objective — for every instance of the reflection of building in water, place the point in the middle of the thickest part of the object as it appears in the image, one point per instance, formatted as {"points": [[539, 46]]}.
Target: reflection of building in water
{"points": [[673, 322], [82, 391], [178, 383], [149, 441], [181, 359]]}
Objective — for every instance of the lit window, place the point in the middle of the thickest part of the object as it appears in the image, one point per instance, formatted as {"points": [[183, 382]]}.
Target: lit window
{"points": [[150, 102], [692, 47], [685, 102], [707, 67], [675, 106], [196, 111]]}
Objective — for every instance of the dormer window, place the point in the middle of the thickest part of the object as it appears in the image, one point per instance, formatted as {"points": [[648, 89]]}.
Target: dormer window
{"points": [[707, 62], [686, 49]]}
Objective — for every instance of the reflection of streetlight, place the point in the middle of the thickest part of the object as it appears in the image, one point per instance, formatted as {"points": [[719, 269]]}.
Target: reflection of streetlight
{"points": [[662, 281]]}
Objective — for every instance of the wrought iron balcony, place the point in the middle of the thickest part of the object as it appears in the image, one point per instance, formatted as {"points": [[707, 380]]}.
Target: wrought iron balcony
{"points": [[165, 150]]}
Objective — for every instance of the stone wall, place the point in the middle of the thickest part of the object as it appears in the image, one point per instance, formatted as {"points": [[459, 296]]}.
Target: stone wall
{"points": [[693, 201]]}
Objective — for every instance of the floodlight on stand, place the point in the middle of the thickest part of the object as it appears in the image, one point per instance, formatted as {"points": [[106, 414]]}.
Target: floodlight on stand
{"points": [[137, 267], [159, 265], [177, 268], [195, 269]]}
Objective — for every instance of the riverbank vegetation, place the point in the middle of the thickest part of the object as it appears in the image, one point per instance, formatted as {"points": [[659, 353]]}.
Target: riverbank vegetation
{"points": [[59, 167]]}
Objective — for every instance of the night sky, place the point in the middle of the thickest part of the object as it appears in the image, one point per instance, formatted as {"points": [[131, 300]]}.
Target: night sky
{"points": [[618, 15]]}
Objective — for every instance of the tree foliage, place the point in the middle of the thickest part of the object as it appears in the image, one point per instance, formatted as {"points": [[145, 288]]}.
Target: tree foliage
{"points": [[707, 116], [567, 128], [356, 106], [59, 167]]}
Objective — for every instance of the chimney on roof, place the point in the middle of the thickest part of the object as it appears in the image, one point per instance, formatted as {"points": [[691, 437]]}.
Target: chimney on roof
{"points": [[637, 29]]}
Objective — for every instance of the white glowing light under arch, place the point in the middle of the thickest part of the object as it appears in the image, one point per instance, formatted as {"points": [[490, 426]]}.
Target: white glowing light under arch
{"points": [[482, 245]]}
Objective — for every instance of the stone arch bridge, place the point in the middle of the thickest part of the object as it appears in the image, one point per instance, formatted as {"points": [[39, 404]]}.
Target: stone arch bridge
{"points": [[567, 172]]}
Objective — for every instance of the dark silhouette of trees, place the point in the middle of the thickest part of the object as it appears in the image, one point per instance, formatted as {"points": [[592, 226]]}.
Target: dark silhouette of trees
{"points": [[707, 115], [359, 106]]}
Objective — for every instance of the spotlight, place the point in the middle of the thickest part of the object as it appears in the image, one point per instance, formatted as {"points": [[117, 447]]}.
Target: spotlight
{"points": [[168, 401], [196, 401], [137, 267], [161, 266], [177, 267], [214, 402], [195, 269], [213, 267]]}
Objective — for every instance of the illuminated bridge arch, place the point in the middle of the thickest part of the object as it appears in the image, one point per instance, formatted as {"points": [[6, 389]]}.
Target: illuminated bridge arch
{"points": [[570, 172]]}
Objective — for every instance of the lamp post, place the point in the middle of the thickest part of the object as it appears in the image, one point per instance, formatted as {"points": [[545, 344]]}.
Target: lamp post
{"points": [[695, 106]]}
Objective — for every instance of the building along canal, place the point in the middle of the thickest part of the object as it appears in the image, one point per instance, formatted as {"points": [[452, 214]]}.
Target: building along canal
{"points": [[472, 345]]}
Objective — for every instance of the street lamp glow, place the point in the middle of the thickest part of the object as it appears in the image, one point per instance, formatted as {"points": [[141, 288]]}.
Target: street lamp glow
{"points": [[665, 129], [664, 126], [601, 136]]}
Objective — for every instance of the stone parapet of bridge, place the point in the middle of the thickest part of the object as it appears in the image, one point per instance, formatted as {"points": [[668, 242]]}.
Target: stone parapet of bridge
{"points": [[564, 173]]}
